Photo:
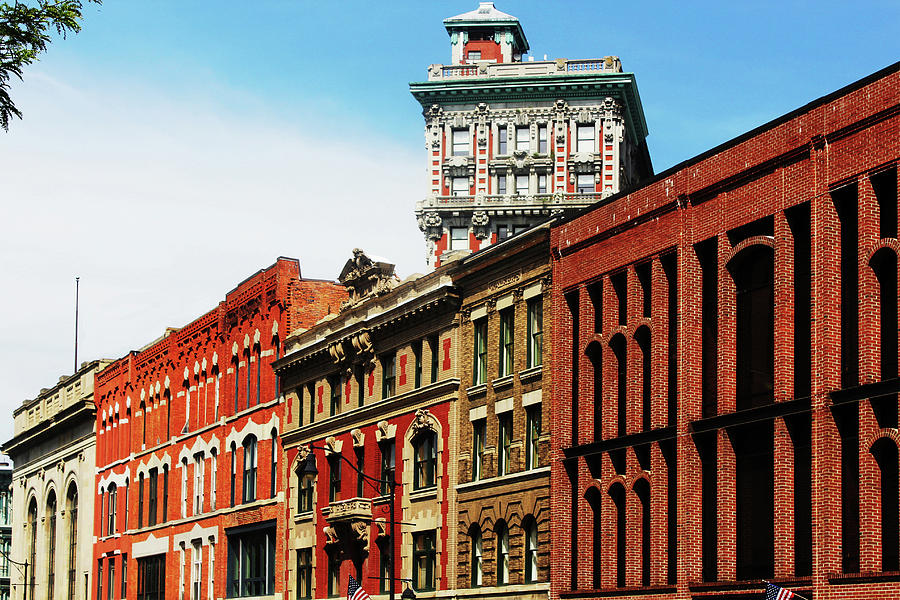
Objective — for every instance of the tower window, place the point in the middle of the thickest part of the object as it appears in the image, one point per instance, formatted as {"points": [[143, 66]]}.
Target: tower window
{"points": [[474, 55], [523, 139], [585, 183], [542, 184], [501, 184], [459, 238], [460, 142], [502, 134], [459, 186], [542, 139], [522, 184], [584, 141]]}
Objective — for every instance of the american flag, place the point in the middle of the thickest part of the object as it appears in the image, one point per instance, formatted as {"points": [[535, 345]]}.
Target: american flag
{"points": [[355, 591], [774, 592]]}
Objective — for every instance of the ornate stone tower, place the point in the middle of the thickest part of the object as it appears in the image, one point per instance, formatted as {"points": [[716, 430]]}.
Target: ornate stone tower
{"points": [[511, 141]]}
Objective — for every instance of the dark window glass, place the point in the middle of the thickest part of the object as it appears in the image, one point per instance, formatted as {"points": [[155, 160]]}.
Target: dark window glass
{"points": [[304, 573], [535, 332], [504, 442], [479, 370], [423, 561], [435, 353], [425, 456], [388, 450], [334, 478], [334, 384], [251, 563], [532, 435], [305, 498], [507, 341], [152, 497], [478, 449], [250, 469], [388, 375], [140, 500], [151, 577], [417, 357]]}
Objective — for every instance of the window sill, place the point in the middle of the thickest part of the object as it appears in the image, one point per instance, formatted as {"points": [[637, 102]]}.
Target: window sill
{"points": [[476, 390], [504, 479], [424, 493], [502, 382], [306, 515], [530, 373]]}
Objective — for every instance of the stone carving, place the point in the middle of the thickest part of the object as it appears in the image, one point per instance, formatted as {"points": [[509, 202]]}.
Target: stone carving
{"points": [[336, 350], [365, 278], [382, 530], [333, 445], [360, 531], [358, 437], [491, 305], [331, 536], [424, 421], [302, 453], [480, 221], [430, 223], [520, 161], [384, 431]]}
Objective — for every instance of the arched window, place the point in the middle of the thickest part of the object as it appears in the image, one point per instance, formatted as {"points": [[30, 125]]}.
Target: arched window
{"points": [[184, 481], [642, 489], [32, 553], [425, 457], [594, 353], [250, 468], [476, 565], [593, 499], [531, 549], [617, 493], [72, 516], [51, 543], [305, 483], [502, 533], [618, 345], [214, 458], [273, 474], [885, 453], [233, 470], [753, 273], [111, 510], [143, 424]]}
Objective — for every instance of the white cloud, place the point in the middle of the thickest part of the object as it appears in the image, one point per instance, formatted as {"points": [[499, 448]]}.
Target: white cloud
{"points": [[162, 204]]}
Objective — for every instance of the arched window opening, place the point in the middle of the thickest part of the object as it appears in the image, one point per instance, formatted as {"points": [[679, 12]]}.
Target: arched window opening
{"points": [[273, 473], [593, 500], [214, 470], [111, 510], [32, 553], [642, 337], [476, 566], [51, 544], [642, 489], [72, 515], [884, 264], [617, 493], [249, 480], [885, 453], [753, 273], [531, 549], [618, 346], [233, 470], [594, 353], [502, 534], [425, 458]]}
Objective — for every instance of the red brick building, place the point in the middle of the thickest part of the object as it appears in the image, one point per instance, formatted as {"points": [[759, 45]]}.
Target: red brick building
{"points": [[188, 448], [725, 367]]}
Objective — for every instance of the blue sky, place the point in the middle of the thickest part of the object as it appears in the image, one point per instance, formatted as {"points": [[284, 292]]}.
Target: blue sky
{"points": [[173, 148]]}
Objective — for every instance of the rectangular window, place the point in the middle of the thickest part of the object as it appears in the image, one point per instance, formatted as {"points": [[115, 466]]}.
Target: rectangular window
{"points": [[388, 450], [304, 573], [542, 183], [542, 139], [384, 565], [425, 457], [503, 232], [212, 480], [111, 579], [334, 574], [504, 442], [479, 369], [124, 582], [334, 478], [360, 385], [478, 428], [585, 183], [184, 479], [165, 506], [507, 336], [360, 469], [532, 435], [196, 562], [535, 332], [523, 139], [250, 466], [460, 142], [502, 134], [459, 186], [151, 577], [251, 562], [417, 364], [311, 395], [423, 561], [334, 384], [501, 184], [305, 499], [435, 355], [152, 496], [522, 185], [459, 238], [388, 375], [585, 139], [474, 55]]}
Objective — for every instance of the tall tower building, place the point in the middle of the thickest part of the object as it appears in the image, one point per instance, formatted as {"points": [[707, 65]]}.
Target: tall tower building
{"points": [[511, 140]]}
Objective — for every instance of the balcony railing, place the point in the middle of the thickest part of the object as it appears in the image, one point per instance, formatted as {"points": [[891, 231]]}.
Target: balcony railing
{"points": [[354, 509], [609, 64]]}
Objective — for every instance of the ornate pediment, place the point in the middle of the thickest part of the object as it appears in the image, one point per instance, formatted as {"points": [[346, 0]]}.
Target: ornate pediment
{"points": [[365, 278], [423, 422]]}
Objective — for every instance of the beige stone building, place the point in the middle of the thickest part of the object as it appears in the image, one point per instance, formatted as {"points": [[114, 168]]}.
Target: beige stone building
{"points": [[503, 489], [53, 450]]}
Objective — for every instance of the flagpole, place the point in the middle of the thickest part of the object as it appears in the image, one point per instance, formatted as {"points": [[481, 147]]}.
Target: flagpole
{"points": [[76, 324]]}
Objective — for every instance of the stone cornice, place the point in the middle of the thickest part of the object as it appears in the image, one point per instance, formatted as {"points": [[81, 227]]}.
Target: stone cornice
{"points": [[372, 413], [67, 418]]}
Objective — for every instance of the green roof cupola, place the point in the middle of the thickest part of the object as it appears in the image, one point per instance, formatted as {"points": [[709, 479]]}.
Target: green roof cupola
{"points": [[485, 35]]}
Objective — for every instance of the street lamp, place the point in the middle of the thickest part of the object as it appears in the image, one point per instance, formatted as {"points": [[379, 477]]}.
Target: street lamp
{"points": [[309, 468]]}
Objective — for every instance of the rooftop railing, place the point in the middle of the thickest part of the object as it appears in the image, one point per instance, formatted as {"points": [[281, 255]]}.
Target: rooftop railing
{"points": [[609, 64], [511, 201]]}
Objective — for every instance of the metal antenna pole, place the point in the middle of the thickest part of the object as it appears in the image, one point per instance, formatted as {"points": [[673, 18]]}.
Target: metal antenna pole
{"points": [[76, 324]]}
